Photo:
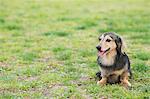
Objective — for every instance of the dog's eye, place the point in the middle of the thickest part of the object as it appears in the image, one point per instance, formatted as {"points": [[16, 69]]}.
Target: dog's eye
{"points": [[99, 39], [108, 40]]}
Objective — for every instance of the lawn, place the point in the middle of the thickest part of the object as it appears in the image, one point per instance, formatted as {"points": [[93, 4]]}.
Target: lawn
{"points": [[47, 47]]}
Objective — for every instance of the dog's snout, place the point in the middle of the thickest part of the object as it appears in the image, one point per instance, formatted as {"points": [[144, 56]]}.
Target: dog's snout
{"points": [[98, 47]]}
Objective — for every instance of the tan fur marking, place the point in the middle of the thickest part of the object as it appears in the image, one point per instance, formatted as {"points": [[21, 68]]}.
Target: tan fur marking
{"points": [[108, 59], [103, 81], [124, 80], [118, 72]]}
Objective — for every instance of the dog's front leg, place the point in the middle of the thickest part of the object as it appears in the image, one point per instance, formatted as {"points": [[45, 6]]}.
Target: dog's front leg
{"points": [[103, 81], [124, 80]]}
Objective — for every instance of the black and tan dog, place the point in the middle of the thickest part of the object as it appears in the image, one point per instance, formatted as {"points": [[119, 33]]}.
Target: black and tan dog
{"points": [[114, 63]]}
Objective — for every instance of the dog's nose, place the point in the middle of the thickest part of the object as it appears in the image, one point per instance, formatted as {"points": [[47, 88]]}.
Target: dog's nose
{"points": [[98, 47]]}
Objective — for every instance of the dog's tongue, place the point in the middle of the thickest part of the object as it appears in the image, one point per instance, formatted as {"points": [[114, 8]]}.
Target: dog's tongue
{"points": [[101, 53]]}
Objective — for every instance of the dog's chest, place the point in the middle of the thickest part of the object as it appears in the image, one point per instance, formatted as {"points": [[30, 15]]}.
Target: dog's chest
{"points": [[107, 61]]}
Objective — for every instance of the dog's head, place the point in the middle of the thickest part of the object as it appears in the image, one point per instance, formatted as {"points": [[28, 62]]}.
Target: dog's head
{"points": [[109, 42]]}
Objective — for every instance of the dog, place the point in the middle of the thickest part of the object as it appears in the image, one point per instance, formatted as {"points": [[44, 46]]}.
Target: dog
{"points": [[113, 61]]}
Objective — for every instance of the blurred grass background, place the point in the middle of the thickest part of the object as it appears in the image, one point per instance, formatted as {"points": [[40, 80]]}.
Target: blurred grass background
{"points": [[47, 47]]}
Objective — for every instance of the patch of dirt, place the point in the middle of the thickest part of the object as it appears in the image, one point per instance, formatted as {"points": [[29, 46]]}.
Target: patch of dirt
{"points": [[80, 86], [46, 91], [26, 78], [4, 67], [3, 64], [85, 78], [45, 60], [104, 97], [49, 90], [82, 80], [8, 90], [84, 93]]}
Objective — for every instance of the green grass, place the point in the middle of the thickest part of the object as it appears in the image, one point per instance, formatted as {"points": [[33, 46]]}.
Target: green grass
{"points": [[47, 48]]}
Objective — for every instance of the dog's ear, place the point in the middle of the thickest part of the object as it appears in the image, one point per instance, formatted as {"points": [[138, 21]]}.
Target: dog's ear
{"points": [[120, 45]]}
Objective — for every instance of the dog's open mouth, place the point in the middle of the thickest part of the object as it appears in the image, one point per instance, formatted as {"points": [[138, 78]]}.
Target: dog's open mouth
{"points": [[101, 52]]}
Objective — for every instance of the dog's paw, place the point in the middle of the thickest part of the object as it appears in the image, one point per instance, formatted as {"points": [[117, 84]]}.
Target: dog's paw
{"points": [[101, 83], [126, 85]]}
